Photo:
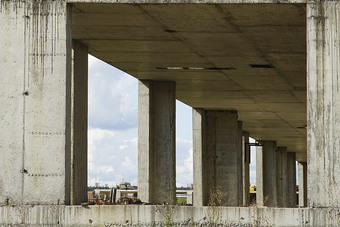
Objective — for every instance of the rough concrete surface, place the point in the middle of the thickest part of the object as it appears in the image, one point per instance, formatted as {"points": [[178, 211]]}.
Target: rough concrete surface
{"points": [[323, 103], [146, 215], [156, 143], [35, 99]]}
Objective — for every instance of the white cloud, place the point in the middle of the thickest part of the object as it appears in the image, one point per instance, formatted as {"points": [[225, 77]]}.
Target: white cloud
{"points": [[107, 161], [122, 147], [111, 105], [184, 162]]}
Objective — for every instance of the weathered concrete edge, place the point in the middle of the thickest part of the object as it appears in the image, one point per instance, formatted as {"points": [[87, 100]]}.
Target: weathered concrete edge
{"points": [[191, 1], [149, 215]]}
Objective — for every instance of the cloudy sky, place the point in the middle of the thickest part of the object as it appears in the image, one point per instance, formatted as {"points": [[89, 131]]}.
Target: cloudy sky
{"points": [[112, 129]]}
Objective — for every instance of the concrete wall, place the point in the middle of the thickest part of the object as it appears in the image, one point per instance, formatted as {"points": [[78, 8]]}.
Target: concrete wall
{"points": [[147, 215], [35, 99]]}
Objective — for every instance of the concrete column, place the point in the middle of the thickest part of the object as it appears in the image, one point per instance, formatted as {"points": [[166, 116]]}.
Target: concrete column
{"points": [[35, 96], [118, 195], [323, 103], [291, 179], [281, 176], [200, 194], [157, 141], [266, 189], [215, 155], [79, 124], [240, 162], [189, 197], [245, 169], [302, 184]]}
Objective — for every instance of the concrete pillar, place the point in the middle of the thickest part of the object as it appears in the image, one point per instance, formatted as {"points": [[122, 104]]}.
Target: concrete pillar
{"points": [[240, 162], [189, 197], [215, 156], [266, 189], [156, 141], [35, 96], [200, 194], [281, 176], [245, 169], [118, 195], [302, 184], [323, 103], [291, 179], [79, 124]]}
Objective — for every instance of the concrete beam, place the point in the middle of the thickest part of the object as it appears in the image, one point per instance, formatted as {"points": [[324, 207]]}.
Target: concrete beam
{"points": [[281, 176], [291, 179], [266, 190], [79, 124], [303, 184], [157, 141], [35, 93], [323, 103], [215, 156]]}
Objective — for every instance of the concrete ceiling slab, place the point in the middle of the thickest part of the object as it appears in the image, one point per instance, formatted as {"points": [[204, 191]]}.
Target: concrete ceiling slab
{"points": [[220, 44], [288, 62], [277, 38], [183, 75], [190, 17], [120, 32], [260, 79], [255, 15], [114, 19], [107, 8], [297, 80], [207, 85], [135, 46], [271, 96], [174, 59], [251, 57]]}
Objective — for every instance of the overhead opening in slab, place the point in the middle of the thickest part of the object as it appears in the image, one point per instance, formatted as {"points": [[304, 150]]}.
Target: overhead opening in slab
{"points": [[261, 66]]}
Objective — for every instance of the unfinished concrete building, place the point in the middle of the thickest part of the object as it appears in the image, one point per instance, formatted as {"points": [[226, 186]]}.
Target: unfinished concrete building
{"points": [[264, 68]]}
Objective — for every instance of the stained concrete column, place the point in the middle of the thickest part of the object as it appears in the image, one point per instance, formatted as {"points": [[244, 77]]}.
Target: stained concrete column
{"points": [[215, 155], [79, 124], [266, 189], [291, 179], [281, 176], [245, 169], [35, 99], [240, 162], [302, 184], [156, 141], [323, 103]]}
